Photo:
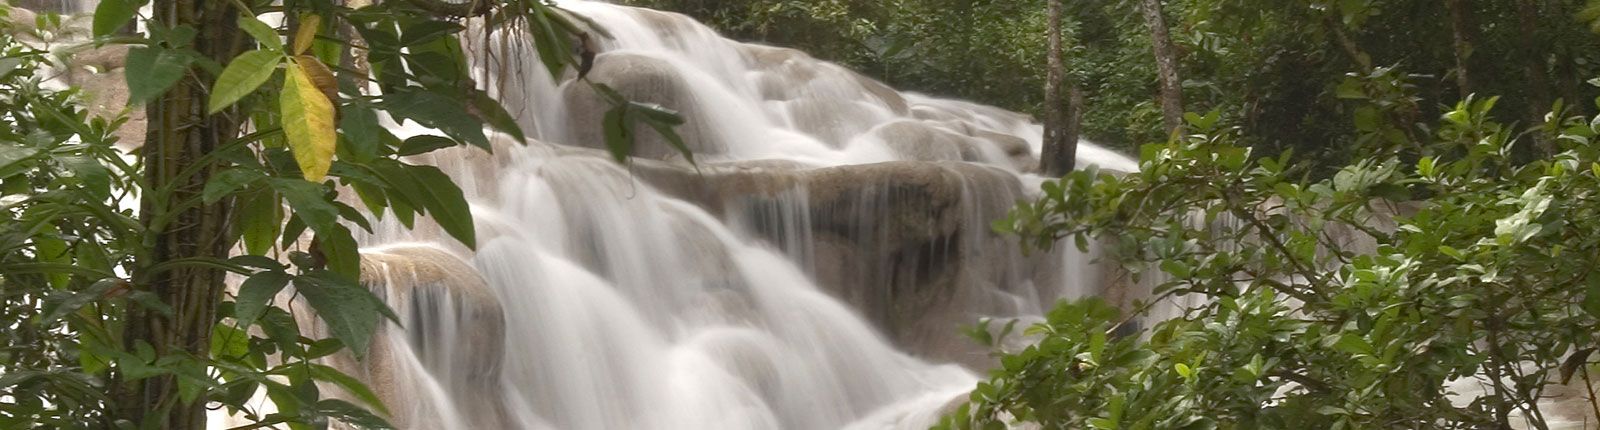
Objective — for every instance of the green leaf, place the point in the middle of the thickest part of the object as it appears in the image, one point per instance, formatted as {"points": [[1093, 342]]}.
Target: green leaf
{"points": [[496, 116], [111, 15], [59, 305], [351, 415], [242, 76], [254, 295], [90, 173], [151, 71], [618, 139], [1175, 268], [12, 155], [437, 111], [260, 221], [445, 203], [8, 64], [350, 384], [307, 123], [424, 143], [361, 130], [341, 251], [227, 182], [308, 203], [229, 342], [1184, 370], [262, 33], [427, 31], [349, 309]]}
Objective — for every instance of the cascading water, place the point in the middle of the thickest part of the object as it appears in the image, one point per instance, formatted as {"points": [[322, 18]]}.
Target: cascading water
{"points": [[667, 297]]}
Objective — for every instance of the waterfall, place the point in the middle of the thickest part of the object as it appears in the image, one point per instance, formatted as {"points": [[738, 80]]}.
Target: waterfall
{"points": [[810, 272]]}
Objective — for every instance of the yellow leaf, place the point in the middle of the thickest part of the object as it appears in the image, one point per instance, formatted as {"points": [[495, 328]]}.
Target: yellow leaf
{"points": [[307, 33], [307, 123]]}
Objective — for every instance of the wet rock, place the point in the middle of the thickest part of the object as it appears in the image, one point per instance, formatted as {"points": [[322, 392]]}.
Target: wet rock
{"points": [[920, 141], [907, 244]]}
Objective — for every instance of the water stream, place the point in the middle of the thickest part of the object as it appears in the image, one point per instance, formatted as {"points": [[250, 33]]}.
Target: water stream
{"points": [[634, 301], [809, 272]]}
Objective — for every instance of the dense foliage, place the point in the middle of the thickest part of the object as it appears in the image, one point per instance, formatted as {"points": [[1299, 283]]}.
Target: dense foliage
{"points": [[115, 313], [1450, 290], [1273, 67]]}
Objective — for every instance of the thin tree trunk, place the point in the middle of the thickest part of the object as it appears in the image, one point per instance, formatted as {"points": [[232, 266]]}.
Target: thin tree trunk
{"points": [[1166, 64], [1464, 27], [180, 133], [1060, 140]]}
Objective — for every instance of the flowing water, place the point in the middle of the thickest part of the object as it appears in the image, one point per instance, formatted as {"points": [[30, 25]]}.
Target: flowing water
{"points": [[809, 272], [633, 301]]}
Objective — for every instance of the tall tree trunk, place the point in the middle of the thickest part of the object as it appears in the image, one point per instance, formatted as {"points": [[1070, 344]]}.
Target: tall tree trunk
{"points": [[1060, 138], [180, 133], [1166, 64], [1465, 28]]}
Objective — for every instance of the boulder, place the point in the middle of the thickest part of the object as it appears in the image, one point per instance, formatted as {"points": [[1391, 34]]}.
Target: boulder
{"points": [[921, 141], [907, 244]]}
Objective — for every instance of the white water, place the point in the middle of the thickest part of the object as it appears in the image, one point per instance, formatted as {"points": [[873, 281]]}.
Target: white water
{"points": [[597, 299], [626, 308]]}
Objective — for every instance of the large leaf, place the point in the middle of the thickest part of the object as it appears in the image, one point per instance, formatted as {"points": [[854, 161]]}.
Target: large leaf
{"points": [[309, 25], [424, 143], [349, 309], [361, 131], [320, 76], [351, 384], [260, 221], [151, 71], [342, 253], [306, 198], [262, 33], [255, 293], [351, 415], [12, 155], [111, 15], [445, 203], [307, 123], [242, 76], [226, 182], [438, 111]]}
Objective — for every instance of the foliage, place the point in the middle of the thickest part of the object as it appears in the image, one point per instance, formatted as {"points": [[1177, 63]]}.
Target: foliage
{"points": [[79, 267], [1450, 290], [1272, 67]]}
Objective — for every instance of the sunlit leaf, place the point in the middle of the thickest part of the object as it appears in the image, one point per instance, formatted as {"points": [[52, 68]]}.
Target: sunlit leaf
{"points": [[242, 76], [309, 25], [307, 123]]}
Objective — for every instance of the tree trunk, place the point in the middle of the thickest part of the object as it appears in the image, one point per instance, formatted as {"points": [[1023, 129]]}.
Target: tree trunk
{"points": [[1465, 28], [1166, 64], [1060, 138], [180, 133]]}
